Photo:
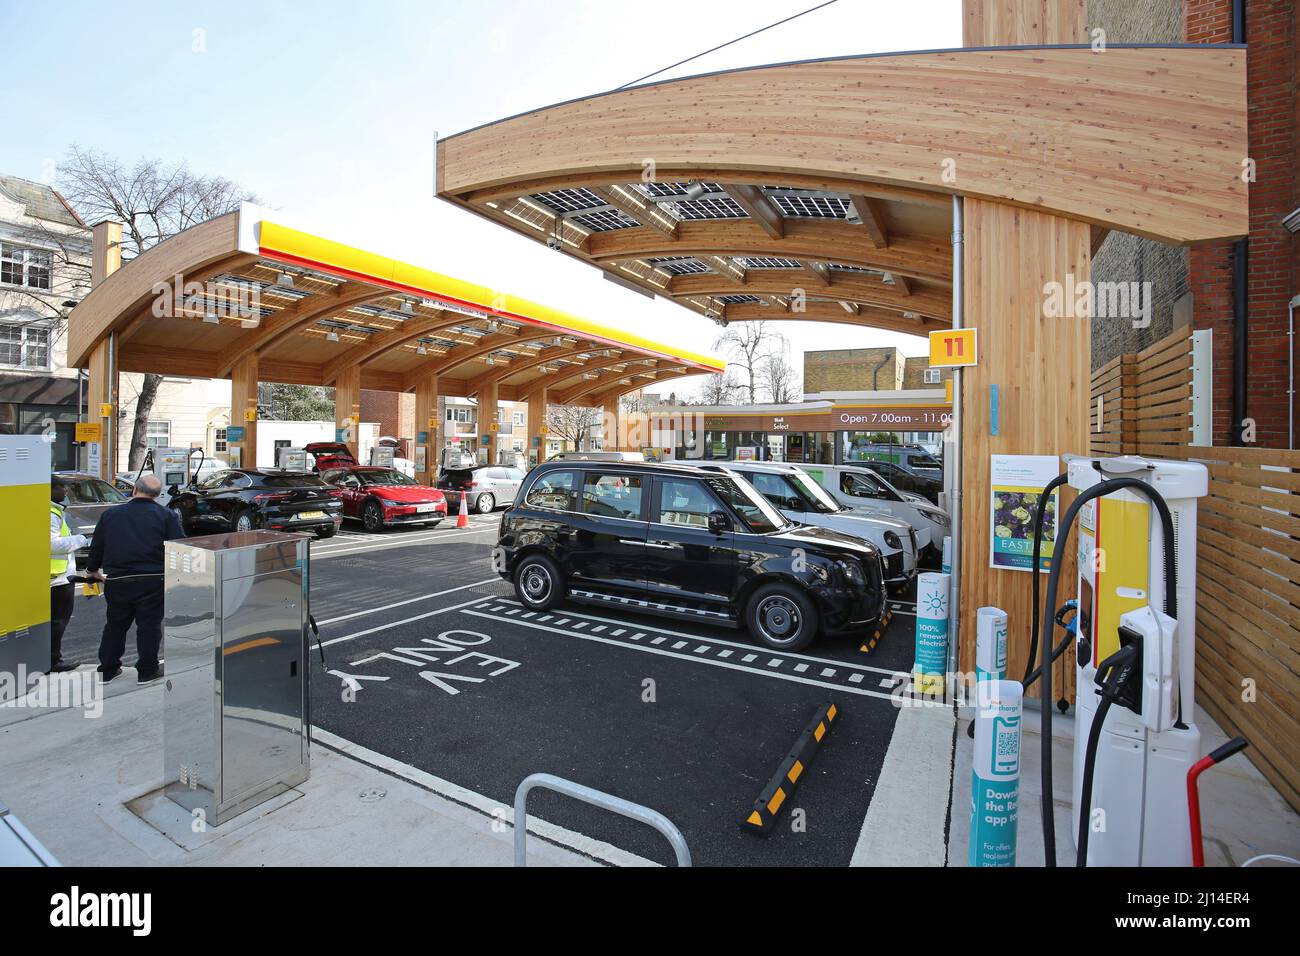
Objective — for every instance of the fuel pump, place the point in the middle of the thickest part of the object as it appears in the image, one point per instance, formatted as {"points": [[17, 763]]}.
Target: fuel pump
{"points": [[1134, 634]]}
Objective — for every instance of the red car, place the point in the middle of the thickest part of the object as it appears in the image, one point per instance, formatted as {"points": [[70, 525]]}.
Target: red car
{"points": [[329, 454], [379, 497]]}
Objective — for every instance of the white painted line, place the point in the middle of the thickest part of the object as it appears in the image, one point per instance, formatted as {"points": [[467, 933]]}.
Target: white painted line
{"points": [[736, 644], [492, 809], [701, 649], [828, 672], [619, 632], [545, 618], [775, 662], [855, 678], [321, 554], [408, 620], [580, 625], [712, 662], [422, 597], [637, 636], [800, 668], [563, 620], [529, 614], [598, 628], [679, 645], [749, 657], [659, 640], [724, 653], [512, 610]]}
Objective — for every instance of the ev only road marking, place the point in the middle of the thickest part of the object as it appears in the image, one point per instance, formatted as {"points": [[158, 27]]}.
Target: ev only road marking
{"points": [[407, 620], [695, 658], [848, 665]]}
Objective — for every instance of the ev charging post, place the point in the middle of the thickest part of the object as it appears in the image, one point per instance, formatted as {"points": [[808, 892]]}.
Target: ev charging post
{"points": [[990, 644], [933, 609], [995, 773]]}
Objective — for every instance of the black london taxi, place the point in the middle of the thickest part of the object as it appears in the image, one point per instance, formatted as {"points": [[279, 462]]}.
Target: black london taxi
{"points": [[687, 542]]}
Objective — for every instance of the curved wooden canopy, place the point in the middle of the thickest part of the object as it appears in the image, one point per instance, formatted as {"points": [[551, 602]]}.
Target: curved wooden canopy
{"points": [[321, 309], [833, 176]]}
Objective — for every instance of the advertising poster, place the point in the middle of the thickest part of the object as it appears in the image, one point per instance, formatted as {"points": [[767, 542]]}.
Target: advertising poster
{"points": [[1017, 481]]}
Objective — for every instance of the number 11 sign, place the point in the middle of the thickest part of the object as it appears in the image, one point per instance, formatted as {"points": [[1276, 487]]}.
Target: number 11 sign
{"points": [[952, 347]]}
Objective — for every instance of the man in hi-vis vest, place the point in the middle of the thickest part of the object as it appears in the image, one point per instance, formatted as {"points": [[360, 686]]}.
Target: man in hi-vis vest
{"points": [[63, 547]]}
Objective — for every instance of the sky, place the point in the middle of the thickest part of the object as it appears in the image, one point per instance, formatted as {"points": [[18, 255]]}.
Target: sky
{"points": [[328, 111]]}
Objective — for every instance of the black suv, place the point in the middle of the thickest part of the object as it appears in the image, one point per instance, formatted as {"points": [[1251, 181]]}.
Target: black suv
{"points": [[684, 541], [241, 499]]}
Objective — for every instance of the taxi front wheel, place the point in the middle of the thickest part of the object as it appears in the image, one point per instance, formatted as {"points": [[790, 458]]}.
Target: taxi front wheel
{"points": [[781, 617]]}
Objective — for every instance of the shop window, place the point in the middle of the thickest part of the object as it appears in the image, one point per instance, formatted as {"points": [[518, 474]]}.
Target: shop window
{"points": [[219, 443], [460, 415], [932, 376]]}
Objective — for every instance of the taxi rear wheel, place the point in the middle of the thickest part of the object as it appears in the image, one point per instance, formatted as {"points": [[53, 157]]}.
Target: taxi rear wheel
{"points": [[537, 582]]}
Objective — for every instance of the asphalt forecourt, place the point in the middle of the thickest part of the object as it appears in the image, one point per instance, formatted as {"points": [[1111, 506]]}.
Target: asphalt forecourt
{"points": [[467, 692], [434, 672], [352, 571]]}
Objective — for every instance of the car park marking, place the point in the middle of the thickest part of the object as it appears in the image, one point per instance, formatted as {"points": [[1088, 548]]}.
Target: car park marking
{"points": [[388, 607], [713, 660], [736, 644], [800, 668], [419, 617]]}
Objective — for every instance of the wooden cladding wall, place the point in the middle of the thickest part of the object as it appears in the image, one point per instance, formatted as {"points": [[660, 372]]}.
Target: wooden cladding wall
{"points": [[1248, 553], [1143, 399], [1248, 601]]}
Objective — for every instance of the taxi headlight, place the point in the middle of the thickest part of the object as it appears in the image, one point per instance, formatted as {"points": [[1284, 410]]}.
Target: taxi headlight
{"points": [[852, 572]]}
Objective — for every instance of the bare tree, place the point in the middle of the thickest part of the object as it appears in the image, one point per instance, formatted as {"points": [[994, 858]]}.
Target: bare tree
{"points": [[778, 378], [572, 423], [747, 343], [718, 390], [153, 200]]}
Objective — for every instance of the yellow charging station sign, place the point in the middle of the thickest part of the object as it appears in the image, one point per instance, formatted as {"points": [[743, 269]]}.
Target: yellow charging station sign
{"points": [[952, 348], [88, 431]]}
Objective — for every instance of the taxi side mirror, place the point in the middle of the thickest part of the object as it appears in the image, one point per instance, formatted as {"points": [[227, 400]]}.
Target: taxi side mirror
{"points": [[719, 522]]}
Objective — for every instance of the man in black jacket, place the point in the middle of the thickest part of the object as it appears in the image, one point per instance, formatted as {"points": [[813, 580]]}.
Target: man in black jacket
{"points": [[128, 545]]}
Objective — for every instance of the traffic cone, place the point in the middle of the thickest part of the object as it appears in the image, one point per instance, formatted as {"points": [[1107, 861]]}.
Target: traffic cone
{"points": [[462, 520]]}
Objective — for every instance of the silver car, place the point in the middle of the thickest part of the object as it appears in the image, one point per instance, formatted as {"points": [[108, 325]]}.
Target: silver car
{"points": [[801, 499], [88, 497], [485, 487]]}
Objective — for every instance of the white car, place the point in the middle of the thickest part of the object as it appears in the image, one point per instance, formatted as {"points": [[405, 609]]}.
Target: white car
{"points": [[801, 499], [861, 488]]}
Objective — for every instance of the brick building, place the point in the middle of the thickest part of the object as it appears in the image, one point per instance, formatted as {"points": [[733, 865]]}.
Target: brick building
{"points": [[1195, 285], [870, 370]]}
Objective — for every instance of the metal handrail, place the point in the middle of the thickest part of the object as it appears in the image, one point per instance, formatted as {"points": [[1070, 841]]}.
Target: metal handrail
{"points": [[597, 798]]}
